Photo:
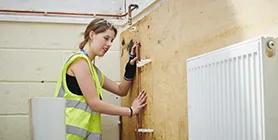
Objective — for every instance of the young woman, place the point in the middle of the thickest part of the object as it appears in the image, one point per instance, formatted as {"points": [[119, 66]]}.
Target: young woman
{"points": [[81, 83]]}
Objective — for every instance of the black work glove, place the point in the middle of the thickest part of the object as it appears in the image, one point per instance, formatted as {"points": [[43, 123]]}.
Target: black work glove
{"points": [[130, 68]]}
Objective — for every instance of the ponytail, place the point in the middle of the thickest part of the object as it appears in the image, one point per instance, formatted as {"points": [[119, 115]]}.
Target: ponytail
{"points": [[84, 42]]}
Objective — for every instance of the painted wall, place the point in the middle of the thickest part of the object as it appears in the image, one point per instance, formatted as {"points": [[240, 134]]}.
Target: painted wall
{"points": [[87, 6], [179, 30]]}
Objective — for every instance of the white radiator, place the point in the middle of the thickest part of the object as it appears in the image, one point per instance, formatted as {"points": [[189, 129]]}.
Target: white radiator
{"points": [[233, 92]]}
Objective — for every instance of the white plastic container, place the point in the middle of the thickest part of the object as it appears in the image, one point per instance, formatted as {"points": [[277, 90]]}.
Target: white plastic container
{"points": [[47, 118]]}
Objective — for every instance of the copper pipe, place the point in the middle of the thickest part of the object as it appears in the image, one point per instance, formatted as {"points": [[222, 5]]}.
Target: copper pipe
{"points": [[121, 128], [130, 9], [138, 74], [62, 13], [71, 13]]}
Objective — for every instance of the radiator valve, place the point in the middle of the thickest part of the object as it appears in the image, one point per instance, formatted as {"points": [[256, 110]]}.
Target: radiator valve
{"points": [[270, 48]]}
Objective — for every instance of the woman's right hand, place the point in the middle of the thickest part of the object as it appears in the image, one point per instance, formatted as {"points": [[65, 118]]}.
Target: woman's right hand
{"points": [[139, 102], [133, 52]]}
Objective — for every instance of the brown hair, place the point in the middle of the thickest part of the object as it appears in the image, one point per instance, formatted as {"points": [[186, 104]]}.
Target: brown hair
{"points": [[97, 25]]}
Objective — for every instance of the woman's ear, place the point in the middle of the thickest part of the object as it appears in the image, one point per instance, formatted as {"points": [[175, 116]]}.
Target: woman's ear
{"points": [[91, 34]]}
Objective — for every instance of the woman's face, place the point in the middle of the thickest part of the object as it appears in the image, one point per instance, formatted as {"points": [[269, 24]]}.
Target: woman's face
{"points": [[101, 42]]}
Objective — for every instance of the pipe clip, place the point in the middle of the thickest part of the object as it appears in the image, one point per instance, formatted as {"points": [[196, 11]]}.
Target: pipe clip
{"points": [[141, 63], [144, 130]]}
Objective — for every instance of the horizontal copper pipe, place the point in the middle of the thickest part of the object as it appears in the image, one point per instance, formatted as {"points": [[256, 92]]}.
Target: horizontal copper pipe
{"points": [[62, 13], [72, 13]]}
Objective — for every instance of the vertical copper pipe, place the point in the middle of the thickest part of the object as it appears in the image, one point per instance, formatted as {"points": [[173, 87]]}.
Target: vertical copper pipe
{"points": [[130, 9], [121, 128], [138, 75]]}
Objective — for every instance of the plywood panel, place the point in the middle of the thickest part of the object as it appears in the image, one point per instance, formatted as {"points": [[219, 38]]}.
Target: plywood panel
{"points": [[176, 31]]}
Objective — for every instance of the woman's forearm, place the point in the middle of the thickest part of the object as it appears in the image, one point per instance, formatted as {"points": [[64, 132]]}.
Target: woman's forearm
{"points": [[124, 87]]}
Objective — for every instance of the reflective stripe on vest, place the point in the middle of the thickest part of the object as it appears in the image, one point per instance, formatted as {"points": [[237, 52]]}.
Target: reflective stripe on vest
{"points": [[82, 133], [89, 126], [80, 105]]}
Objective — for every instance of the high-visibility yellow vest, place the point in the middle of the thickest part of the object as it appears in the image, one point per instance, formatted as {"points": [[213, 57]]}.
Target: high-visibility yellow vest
{"points": [[81, 122]]}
